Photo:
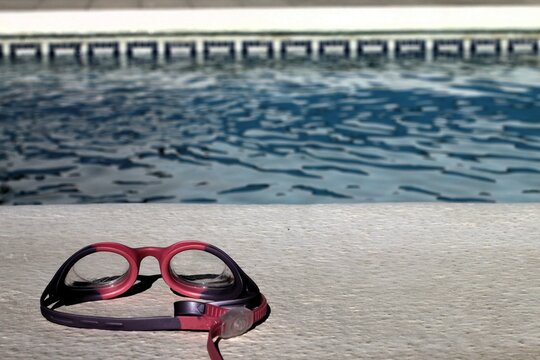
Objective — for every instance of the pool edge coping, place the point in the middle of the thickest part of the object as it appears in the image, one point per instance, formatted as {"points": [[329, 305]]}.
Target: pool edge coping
{"points": [[350, 20]]}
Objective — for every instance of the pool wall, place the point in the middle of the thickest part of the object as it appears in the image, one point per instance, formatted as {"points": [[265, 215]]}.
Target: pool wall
{"points": [[428, 32], [416, 45]]}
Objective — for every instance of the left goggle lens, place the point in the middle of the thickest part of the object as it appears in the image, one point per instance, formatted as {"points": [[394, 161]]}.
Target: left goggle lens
{"points": [[98, 269]]}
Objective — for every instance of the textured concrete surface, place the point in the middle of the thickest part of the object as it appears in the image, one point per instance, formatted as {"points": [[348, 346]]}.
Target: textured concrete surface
{"points": [[383, 281], [160, 4]]}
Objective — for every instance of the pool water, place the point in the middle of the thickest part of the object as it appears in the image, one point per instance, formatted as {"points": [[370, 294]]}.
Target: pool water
{"points": [[260, 132]]}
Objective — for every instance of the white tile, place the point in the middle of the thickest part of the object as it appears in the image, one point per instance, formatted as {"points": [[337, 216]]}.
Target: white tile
{"points": [[264, 3], [114, 4], [18, 4], [163, 4], [216, 3], [64, 4]]}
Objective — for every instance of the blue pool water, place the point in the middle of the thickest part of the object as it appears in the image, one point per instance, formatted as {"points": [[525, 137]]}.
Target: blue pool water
{"points": [[270, 132]]}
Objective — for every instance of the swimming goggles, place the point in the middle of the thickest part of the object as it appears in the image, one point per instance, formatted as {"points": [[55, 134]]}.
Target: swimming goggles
{"points": [[229, 302]]}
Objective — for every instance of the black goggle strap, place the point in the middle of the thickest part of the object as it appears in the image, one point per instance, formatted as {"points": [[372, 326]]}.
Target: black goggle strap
{"points": [[189, 315]]}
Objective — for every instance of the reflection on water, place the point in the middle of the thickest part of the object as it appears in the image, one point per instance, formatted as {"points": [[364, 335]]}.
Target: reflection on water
{"points": [[270, 132]]}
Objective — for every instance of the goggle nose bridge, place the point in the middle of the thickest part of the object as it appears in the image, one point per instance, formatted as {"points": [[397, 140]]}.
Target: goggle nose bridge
{"points": [[149, 251]]}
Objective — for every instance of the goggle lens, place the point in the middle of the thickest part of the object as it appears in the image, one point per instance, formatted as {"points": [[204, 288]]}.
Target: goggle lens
{"points": [[200, 268], [98, 269]]}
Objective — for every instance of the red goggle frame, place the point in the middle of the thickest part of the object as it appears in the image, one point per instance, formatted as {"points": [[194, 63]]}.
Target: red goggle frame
{"points": [[230, 310]]}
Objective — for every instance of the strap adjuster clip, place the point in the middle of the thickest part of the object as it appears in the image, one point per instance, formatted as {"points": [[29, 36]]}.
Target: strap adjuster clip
{"points": [[235, 322]]}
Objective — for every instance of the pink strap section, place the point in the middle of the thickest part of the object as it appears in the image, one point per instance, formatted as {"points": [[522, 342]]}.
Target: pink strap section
{"points": [[212, 323], [196, 322], [215, 311], [260, 311], [211, 346]]}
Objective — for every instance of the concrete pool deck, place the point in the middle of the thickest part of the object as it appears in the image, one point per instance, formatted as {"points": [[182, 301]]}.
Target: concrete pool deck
{"points": [[379, 281]]}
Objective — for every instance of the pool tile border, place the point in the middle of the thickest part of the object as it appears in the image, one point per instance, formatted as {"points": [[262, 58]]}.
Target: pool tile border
{"points": [[419, 46]]}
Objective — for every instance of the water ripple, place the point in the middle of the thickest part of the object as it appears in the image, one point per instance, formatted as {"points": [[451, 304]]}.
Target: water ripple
{"points": [[270, 132]]}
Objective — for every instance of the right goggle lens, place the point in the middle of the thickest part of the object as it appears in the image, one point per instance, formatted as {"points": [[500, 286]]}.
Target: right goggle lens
{"points": [[200, 268], [99, 269]]}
